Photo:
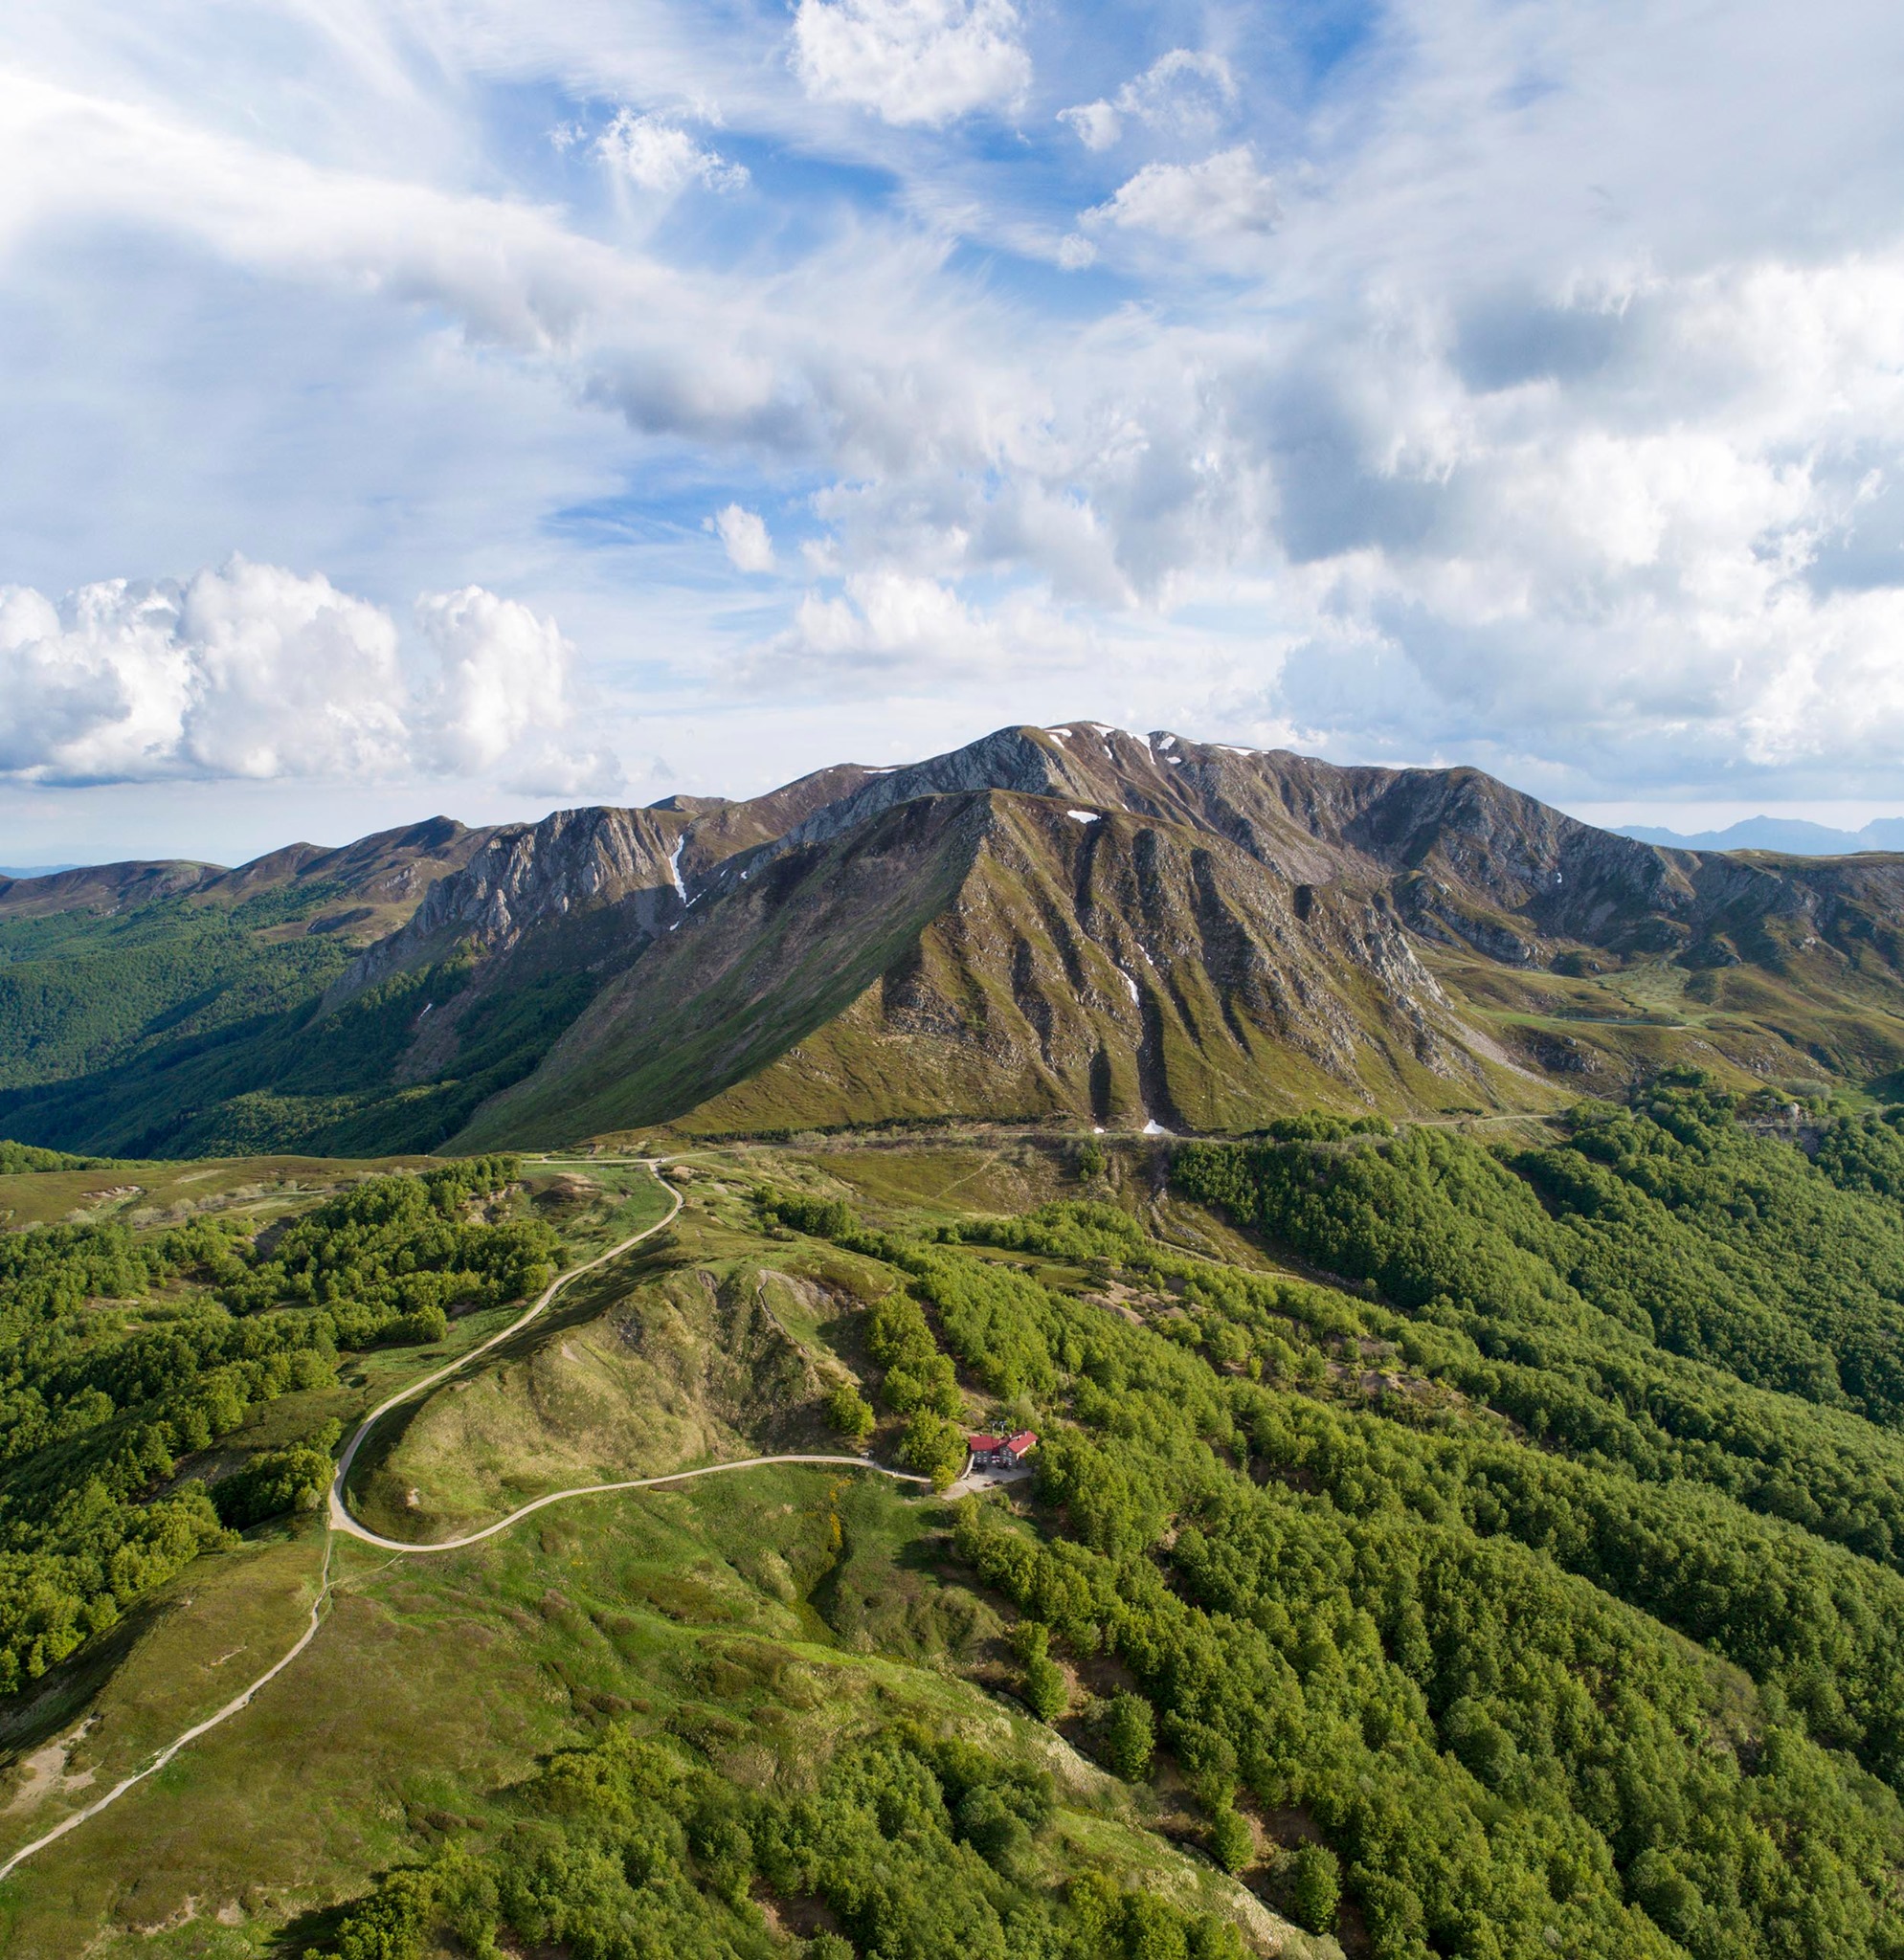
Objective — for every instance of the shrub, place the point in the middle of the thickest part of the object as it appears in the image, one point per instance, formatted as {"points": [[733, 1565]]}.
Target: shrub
{"points": [[1231, 1844]]}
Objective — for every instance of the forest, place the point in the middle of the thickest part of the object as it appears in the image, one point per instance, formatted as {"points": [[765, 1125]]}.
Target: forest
{"points": [[121, 1356], [1543, 1561]]}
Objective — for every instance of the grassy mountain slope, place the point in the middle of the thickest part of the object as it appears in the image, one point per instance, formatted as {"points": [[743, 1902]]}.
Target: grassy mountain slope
{"points": [[1514, 1534], [1296, 933], [1121, 971]]}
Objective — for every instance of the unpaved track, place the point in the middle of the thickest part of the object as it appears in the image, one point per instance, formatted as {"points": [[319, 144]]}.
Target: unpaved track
{"points": [[339, 1519]]}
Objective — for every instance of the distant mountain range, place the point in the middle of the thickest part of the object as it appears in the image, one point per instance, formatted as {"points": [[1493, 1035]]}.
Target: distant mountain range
{"points": [[1072, 924], [1790, 835]]}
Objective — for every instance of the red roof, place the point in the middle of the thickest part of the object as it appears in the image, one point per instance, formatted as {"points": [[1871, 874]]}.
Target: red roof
{"points": [[1025, 1440], [982, 1444]]}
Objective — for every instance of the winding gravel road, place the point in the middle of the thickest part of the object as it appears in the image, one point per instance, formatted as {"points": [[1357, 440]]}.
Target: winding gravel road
{"points": [[339, 1519]]}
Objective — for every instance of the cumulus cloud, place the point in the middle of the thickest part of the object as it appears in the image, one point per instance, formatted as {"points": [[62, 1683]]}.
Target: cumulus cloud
{"points": [[911, 61], [659, 156], [1559, 424], [897, 630], [1183, 93], [744, 534], [255, 672], [1224, 194]]}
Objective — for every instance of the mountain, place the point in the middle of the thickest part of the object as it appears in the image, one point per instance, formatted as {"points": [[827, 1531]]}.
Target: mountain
{"points": [[1074, 924], [1793, 836]]}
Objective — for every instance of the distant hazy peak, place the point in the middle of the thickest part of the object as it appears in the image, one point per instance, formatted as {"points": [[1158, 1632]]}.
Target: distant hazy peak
{"points": [[1793, 836]]}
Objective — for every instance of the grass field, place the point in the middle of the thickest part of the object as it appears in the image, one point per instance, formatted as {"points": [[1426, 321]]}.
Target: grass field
{"points": [[758, 1620]]}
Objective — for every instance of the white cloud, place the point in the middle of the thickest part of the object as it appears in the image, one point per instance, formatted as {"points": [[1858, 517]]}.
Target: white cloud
{"points": [[898, 631], [1183, 93], [911, 61], [1560, 425], [659, 156], [744, 534], [1098, 125], [253, 672], [1223, 194]]}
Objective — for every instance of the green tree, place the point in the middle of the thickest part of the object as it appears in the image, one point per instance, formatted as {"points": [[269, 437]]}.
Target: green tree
{"points": [[1231, 1844], [849, 1411], [1130, 1734], [1045, 1692], [1315, 1888]]}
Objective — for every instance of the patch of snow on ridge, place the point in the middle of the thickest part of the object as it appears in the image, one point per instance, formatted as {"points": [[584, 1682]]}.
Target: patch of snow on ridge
{"points": [[1130, 983], [674, 868], [1085, 815], [1154, 1129]]}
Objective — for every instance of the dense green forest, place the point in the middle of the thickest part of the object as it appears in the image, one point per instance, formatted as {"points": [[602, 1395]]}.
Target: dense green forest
{"points": [[80, 994], [918, 1846], [119, 1355], [179, 1030], [1547, 1569]]}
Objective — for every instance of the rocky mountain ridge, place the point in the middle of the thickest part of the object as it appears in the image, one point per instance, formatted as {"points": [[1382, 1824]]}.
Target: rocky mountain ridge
{"points": [[1073, 924]]}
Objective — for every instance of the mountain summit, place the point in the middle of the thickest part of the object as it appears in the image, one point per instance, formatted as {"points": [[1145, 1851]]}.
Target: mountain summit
{"points": [[1072, 924]]}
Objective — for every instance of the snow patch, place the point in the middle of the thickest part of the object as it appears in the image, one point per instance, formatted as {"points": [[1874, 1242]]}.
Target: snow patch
{"points": [[1154, 1129], [1233, 749], [1130, 983], [1085, 815], [1058, 735], [674, 867]]}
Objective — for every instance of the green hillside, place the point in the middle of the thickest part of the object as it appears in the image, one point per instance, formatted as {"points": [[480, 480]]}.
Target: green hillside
{"points": [[1479, 1549], [1075, 925]]}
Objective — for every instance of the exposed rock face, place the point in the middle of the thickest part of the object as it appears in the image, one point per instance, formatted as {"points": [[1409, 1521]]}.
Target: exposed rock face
{"points": [[1125, 928], [528, 876]]}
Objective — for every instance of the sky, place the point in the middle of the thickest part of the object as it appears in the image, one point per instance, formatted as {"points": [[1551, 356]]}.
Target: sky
{"points": [[482, 407]]}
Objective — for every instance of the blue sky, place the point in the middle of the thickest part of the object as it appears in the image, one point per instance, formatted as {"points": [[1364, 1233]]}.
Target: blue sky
{"points": [[434, 404]]}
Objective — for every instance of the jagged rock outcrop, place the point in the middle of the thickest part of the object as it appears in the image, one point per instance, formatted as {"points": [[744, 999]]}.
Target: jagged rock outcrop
{"points": [[1074, 921]]}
